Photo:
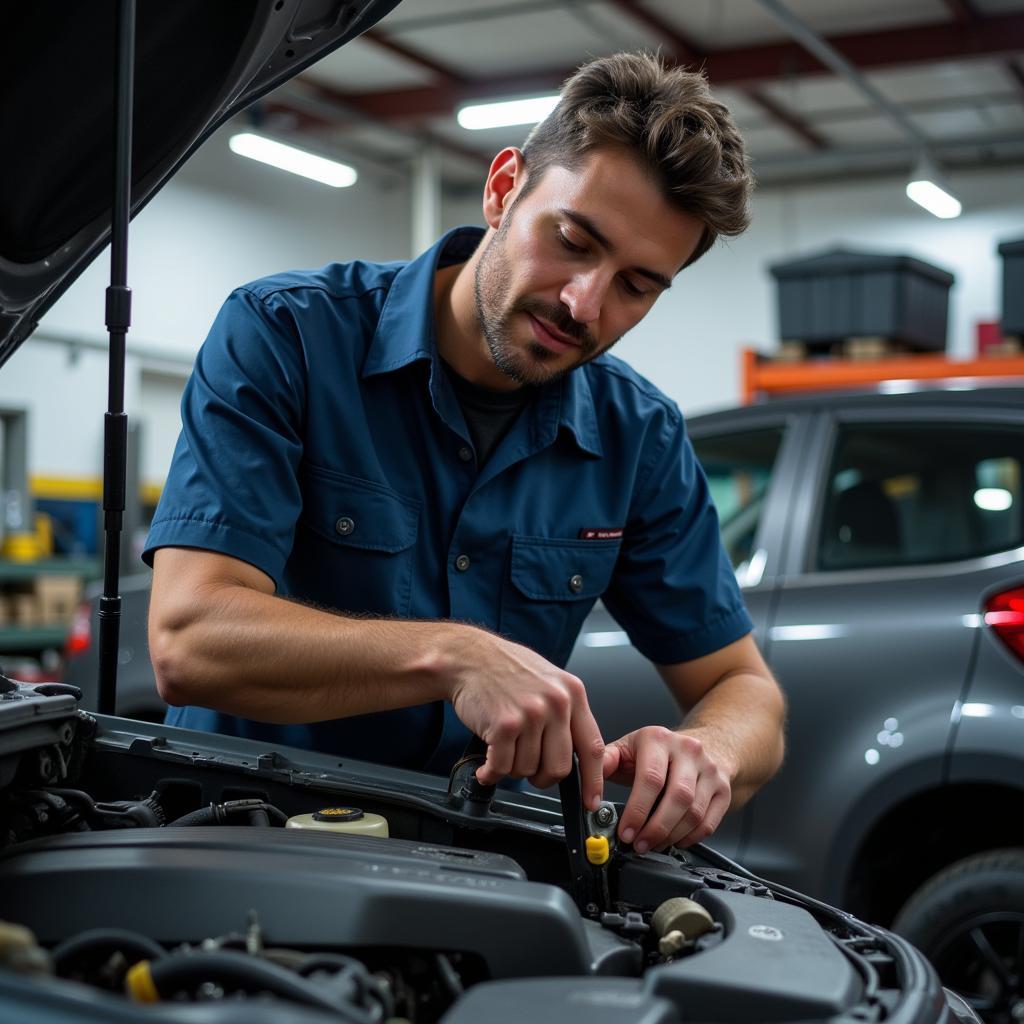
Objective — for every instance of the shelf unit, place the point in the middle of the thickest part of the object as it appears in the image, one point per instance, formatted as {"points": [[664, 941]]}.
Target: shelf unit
{"points": [[31, 639], [34, 639], [14, 572], [766, 378]]}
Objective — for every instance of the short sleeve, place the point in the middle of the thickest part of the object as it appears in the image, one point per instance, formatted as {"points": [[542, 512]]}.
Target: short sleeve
{"points": [[233, 486], [674, 590]]}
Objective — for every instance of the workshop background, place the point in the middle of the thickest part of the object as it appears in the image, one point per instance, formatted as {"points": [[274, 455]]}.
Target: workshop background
{"points": [[839, 100]]}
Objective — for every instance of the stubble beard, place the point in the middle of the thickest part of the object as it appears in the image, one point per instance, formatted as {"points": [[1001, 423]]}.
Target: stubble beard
{"points": [[525, 365]]}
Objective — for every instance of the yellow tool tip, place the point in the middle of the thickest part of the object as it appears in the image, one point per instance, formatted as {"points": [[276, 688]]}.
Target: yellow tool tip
{"points": [[597, 849], [138, 983]]}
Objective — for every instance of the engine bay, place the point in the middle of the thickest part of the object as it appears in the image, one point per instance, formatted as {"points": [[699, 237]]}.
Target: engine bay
{"points": [[155, 873]]}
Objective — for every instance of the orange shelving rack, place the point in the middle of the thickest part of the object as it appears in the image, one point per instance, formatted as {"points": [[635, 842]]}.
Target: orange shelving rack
{"points": [[765, 378]]}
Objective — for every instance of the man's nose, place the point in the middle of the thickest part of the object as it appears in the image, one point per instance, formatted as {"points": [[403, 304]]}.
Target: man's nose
{"points": [[583, 295]]}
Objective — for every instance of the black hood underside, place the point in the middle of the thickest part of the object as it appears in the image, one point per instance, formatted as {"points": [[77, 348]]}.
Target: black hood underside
{"points": [[197, 64]]}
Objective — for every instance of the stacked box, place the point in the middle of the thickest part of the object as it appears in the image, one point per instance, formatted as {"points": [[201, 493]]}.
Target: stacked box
{"points": [[1013, 288], [24, 610], [828, 299], [57, 598]]}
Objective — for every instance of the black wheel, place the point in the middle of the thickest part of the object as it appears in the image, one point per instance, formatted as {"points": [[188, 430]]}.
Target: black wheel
{"points": [[969, 921]]}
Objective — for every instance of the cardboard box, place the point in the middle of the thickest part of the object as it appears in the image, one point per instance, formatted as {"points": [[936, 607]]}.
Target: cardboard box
{"points": [[24, 610], [57, 598]]}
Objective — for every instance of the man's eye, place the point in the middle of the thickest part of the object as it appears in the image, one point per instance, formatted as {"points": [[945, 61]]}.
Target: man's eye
{"points": [[632, 289], [566, 244]]}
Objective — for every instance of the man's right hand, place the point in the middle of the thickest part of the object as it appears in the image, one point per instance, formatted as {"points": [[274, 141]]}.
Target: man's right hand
{"points": [[220, 638], [530, 713]]}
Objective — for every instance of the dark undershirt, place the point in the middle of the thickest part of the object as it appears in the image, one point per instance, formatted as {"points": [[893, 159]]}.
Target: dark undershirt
{"points": [[489, 414]]}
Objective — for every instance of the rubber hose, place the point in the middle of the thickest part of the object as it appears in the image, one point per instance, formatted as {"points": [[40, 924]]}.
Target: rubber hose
{"points": [[348, 970], [204, 816], [239, 971], [98, 941]]}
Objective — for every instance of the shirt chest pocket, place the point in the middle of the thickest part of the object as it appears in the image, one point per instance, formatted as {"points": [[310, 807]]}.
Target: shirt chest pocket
{"points": [[552, 584], [356, 543]]}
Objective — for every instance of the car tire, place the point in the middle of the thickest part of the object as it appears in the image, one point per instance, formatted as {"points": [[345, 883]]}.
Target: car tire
{"points": [[969, 921]]}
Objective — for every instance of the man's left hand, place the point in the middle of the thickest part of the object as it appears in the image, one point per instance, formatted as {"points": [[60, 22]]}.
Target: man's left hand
{"points": [[674, 774]]}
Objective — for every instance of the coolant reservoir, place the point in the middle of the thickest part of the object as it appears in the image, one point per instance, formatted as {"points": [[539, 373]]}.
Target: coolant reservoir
{"points": [[342, 819]]}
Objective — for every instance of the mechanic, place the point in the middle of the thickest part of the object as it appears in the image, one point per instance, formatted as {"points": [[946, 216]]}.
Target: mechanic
{"points": [[400, 488]]}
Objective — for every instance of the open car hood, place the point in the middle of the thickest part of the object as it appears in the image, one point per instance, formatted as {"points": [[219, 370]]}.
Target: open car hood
{"points": [[197, 64]]}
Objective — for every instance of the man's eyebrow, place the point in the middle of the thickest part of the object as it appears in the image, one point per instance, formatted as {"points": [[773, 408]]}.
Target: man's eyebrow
{"points": [[581, 220]]}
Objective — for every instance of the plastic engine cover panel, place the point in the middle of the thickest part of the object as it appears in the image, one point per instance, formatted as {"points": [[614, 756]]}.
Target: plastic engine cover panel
{"points": [[558, 1000], [776, 963], [309, 889]]}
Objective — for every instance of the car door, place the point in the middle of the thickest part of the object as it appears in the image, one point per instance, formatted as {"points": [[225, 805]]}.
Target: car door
{"points": [[874, 628], [750, 457]]}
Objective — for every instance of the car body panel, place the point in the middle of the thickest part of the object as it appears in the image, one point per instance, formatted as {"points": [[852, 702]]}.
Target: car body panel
{"points": [[871, 674], [988, 723]]}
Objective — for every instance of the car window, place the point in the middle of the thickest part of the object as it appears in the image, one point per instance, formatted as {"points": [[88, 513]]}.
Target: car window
{"points": [[739, 469], [905, 495]]}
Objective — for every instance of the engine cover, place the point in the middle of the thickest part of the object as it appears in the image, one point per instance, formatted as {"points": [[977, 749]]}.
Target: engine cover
{"points": [[310, 890]]}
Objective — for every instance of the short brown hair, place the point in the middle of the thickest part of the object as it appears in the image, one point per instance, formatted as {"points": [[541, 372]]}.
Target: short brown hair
{"points": [[667, 118]]}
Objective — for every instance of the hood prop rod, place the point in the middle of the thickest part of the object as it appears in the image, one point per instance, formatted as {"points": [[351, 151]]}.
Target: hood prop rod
{"points": [[118, 320]]}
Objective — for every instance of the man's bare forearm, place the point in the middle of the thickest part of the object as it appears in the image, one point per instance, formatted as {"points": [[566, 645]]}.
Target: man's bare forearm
{"points": [[254, 654], [740, 722]]}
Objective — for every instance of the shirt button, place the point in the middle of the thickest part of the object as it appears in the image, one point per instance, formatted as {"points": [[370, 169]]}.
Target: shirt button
{"points": [[462, 563], [466, 454], [344, 526], [576, 583]]}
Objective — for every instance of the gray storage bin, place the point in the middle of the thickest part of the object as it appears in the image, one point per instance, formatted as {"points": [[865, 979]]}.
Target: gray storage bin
{"points": [[840, 294], [1013, 287]]}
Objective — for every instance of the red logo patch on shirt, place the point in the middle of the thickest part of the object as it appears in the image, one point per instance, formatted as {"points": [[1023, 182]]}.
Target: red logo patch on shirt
{"points": [[600, 533]]}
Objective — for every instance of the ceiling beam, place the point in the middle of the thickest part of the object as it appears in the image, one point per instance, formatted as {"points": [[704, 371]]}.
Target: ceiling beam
{"points": [[966, 13], [1017, 75], [313, 108], [686, 51], [963, 11], [411, 56], [918, 44], [795, 124]]}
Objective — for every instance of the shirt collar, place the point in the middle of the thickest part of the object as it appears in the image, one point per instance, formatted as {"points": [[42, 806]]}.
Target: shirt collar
{"points": [[577, 412], [405, 333]]}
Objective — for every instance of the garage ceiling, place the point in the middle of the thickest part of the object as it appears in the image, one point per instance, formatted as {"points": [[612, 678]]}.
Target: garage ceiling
{"points": [[954, 68]]}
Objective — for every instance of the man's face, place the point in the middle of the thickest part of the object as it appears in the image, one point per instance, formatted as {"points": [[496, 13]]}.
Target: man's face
{"points": [[576, 263]]}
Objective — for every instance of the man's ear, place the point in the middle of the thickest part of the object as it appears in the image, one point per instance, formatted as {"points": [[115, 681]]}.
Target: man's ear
{"points": [[504, 180]]}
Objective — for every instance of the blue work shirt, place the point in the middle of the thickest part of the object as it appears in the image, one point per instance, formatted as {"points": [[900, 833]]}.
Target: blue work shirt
{"points": [[322, 442]]}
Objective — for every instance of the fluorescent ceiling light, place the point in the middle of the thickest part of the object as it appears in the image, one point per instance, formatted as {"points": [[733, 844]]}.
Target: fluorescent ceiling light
{"points": [[928, 189], [499, 115], [288, 158]]}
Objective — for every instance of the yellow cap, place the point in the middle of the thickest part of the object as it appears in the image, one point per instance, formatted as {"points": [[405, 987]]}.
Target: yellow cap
{"points": [[139, 983], [597, 849]]}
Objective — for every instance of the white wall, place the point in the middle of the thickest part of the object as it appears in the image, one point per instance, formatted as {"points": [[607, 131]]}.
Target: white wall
{"points": [[222, 221], [226, 220]]}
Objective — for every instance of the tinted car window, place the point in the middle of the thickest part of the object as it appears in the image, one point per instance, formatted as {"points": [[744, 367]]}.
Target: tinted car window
{"points": [[739, 469], [905, 495]]}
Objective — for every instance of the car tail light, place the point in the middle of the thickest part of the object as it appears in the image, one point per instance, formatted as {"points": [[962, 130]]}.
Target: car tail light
{"points": [[1005, 614], [79, 638]]}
